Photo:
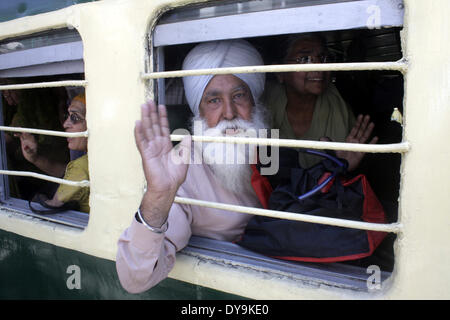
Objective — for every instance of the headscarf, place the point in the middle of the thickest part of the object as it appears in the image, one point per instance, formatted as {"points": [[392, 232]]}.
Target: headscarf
{"points": [[81, 97], [221, 54]]}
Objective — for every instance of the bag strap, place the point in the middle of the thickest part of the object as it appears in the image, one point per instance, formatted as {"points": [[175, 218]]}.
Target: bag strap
{"points": [[341, 167], [70, 205], [284, 170]]}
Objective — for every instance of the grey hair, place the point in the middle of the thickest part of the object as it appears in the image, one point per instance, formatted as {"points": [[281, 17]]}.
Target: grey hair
{"points": [[288, 42]]}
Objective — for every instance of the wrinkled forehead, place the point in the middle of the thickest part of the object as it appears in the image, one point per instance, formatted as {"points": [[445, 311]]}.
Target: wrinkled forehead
{"points": [[222, 84]]}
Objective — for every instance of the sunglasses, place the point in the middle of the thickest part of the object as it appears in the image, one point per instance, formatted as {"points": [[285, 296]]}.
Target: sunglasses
{"points": [[325, 58], [73, 117]]}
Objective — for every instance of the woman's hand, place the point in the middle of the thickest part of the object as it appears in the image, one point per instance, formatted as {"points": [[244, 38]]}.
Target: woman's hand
{"points": [[29, 147], [360, 133]]}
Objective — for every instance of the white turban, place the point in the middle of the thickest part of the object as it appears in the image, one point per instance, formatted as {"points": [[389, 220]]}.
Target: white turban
{"points": [[221, 54]]}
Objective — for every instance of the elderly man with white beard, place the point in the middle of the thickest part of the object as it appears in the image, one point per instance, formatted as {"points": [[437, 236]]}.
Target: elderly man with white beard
{"points": [[222, 105]]}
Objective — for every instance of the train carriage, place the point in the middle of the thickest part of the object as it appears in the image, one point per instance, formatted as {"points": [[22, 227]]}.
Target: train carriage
{"points": [[125, 52]]}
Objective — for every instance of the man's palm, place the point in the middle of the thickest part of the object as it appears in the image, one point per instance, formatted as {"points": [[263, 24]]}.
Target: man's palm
{"points": [[165, 167]]}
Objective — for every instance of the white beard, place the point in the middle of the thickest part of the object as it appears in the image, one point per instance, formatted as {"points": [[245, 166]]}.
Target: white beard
{"points": [[230, 163]]}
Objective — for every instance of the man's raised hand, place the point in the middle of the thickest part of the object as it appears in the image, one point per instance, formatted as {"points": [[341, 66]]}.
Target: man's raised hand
{"points": [[152, 136], [165, 167]]}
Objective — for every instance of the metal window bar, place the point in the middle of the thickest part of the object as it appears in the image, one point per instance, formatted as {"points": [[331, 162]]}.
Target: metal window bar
{"points": [[49, 84], [403, 147], [400, 65], [46, 132], [82, 83], [82, 183], [392, 227]]}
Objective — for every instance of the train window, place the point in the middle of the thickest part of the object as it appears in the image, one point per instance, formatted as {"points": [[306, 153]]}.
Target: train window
{"points": [[43, 161], [364, 37]]}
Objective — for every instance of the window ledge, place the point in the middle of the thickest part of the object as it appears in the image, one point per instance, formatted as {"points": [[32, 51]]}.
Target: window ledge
{"points": [[333, 275], [70, 218]]}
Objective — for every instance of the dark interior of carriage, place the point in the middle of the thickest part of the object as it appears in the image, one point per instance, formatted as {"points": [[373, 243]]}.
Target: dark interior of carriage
{"points": [[376, 93]]}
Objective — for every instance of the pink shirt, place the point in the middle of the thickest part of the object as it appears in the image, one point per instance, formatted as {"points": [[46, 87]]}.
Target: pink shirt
{"points": [[145, 258]]}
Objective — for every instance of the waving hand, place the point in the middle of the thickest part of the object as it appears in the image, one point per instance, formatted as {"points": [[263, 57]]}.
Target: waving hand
{"points": [[360, 133], [165, 167]]}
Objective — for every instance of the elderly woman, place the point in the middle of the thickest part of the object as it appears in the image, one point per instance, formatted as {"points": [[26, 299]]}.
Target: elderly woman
{"points": [[77, 169], [307, 106]]}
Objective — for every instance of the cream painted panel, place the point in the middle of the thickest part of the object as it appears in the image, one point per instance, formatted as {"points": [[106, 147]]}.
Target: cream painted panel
{"points": [[422, 253], [114, 38]]}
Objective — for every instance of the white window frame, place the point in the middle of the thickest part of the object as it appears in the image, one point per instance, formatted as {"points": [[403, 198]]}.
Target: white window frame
{"points": [[324, 17], [56, 59], [199, 30], [62, 58]]}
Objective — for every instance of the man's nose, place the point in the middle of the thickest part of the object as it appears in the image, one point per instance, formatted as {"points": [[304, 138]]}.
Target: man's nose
{"points": [[229, 111]]}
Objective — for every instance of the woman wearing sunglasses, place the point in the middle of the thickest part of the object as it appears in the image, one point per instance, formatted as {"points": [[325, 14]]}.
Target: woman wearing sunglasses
{"points": [[77, 169]]}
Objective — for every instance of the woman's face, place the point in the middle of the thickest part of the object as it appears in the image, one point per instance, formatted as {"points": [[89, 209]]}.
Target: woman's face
{"points": [[76, 122], [306, 83]]}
